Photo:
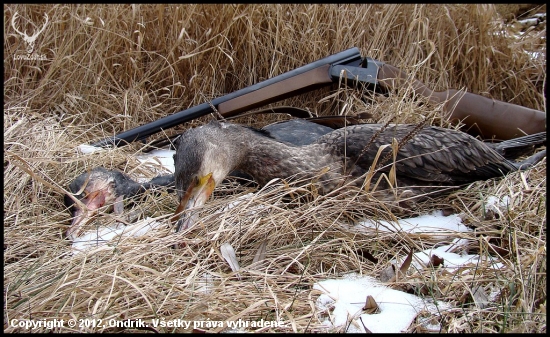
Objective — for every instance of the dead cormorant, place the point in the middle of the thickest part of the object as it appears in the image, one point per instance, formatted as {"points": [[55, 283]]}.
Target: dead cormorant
{"points": [[101, 187], [428, 156]]}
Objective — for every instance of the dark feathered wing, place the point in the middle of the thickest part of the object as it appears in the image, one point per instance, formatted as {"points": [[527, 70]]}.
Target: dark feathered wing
{"points": [[432, 155]]}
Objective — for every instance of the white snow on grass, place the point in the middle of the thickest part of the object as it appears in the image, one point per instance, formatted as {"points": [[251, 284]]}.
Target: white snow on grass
{"points": [[451, 261], [498, 205], [102, 238], [348, 295], [434, 223], [397, 310], [343, 299], [160, 160], [85, 149]]}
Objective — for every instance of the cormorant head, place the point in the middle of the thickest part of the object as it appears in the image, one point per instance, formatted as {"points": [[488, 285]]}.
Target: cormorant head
{"points": [[95, 189], [204, 157]]}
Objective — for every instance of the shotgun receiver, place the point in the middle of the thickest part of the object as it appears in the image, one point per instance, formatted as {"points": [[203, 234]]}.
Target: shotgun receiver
{"points": [[484, 116]]}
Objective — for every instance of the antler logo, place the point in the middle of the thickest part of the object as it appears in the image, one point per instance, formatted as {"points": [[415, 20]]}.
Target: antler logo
{"points": [[29, 40]]}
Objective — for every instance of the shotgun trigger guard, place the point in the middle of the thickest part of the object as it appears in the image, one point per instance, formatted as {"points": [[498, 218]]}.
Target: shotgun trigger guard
{"points": [[366, 74]]}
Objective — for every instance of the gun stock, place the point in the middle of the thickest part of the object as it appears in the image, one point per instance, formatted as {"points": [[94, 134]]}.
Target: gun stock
{"points": [[306, 78], [481, 115]]}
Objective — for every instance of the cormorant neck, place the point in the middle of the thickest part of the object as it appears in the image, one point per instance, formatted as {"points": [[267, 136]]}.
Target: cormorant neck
{"points": [[166, 180], [266, 158], [131, 187]]}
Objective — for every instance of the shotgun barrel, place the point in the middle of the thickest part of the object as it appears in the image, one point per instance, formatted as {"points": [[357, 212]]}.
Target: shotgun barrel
{"points": [[308, 77]]}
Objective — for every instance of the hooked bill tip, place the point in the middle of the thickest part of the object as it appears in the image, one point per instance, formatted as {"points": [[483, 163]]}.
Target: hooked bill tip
{"points": [[195, 196]]}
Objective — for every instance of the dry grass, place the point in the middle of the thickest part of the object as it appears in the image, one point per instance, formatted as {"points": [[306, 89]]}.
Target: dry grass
{"points": [[111, 68]]}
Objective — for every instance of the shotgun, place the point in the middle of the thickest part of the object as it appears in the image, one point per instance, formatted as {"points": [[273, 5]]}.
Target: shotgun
{"points": [[484, 116], [306, 78]]}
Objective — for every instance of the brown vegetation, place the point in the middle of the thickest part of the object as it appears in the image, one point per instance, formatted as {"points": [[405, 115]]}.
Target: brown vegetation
{"points": [[109, 68]]}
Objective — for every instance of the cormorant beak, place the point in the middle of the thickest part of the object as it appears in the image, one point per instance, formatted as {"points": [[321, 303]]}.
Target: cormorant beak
{"points": [[93, 201], [196, 195]]}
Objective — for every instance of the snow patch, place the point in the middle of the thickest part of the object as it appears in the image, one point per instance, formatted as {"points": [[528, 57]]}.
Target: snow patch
{"points": [[159, 160], [86, 149], [348, 295], [434, 223], [102, 238]]}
